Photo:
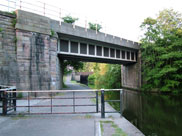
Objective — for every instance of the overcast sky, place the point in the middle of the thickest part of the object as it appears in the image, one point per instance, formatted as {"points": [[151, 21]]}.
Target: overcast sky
{"points": [[121, 17], [118, 17]]}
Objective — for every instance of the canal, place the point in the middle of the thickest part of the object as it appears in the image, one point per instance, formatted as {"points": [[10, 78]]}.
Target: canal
{"points": [[154, 114]]}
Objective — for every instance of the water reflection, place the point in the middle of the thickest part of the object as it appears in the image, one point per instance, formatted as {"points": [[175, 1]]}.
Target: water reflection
{"points": [[154, 114]]}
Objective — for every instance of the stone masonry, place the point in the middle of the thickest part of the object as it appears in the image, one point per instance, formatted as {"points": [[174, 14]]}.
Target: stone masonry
{"points": [[28, 53], [36, 59], [8, 64]]}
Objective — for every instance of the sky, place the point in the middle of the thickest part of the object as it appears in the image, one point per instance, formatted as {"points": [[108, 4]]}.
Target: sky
{"points": [[118, 17]]}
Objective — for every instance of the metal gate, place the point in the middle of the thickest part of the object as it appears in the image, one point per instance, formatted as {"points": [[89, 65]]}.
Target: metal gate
{"points": [[55, 101]]}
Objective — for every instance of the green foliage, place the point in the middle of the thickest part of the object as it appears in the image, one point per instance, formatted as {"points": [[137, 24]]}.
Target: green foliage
{"points": [[1, 29], [77, 65], [20, 95], [117, 131], [161, 52], [111, 78], [52, 33], [91, 79], [15, 40], [14, 22], [13, 12], [69, 19], [95, 26]]}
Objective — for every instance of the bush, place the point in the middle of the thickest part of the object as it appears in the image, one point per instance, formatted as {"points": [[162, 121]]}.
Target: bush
{"points": [[91, 79], [69, 19], [95, 26]]}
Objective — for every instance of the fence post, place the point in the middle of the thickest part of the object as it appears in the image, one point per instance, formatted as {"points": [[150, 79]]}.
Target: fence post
{"points": [[102, 104], [97, 102], [121, 96], [4, 103], [20, 4], [44, 8], [14, 99]]}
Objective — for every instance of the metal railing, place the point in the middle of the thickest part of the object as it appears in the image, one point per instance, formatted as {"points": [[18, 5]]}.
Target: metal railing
{"points": [[56, 13], [47, 10], [9, 101], [103, 101], [6, 101], [50, 96]]}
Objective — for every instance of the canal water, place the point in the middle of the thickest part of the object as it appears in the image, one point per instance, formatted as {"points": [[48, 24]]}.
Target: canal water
{"points": [[154, 114]]}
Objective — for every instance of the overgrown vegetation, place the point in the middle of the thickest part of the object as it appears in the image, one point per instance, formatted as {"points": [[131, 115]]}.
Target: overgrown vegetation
{"points": [[14, 22], [77, 65], [161, 52], [107, 76], [52, 33], [1, 29], [69, 19], [20, 95], [95, 26], [15, 40], [118, 131]]}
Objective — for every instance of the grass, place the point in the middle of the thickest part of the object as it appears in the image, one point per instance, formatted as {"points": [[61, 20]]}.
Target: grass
{"points": [[74, 82], [93, 100], [60, 94], [88, 116], [118, 131], [102, 128], [64, 78], [19, 116], [91, 86]]}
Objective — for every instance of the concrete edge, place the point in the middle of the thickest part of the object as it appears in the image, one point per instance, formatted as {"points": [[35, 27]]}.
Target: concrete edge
{"points": [[122, 122], [128, 127], [98, 129]]}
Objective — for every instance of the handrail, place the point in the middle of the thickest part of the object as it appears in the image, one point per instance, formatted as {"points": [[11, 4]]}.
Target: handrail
{"points": [[59, 91], [9, 100]]}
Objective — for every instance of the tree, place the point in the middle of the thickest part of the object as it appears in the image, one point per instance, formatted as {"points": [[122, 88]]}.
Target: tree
{"points": [[77, 65], [69, 19], [161, 52]]}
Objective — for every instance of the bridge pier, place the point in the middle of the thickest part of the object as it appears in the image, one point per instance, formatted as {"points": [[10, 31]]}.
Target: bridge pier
{"points": [[131, 74]]}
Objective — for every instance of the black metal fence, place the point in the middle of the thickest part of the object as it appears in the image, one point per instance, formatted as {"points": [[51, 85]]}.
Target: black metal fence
{"points": [[9, 98], [7, 101], [103, 101]]}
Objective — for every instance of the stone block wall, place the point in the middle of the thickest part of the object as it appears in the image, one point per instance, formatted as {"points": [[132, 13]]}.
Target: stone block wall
{"points": [[8, 64], [36, 59], [28, 52]]}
